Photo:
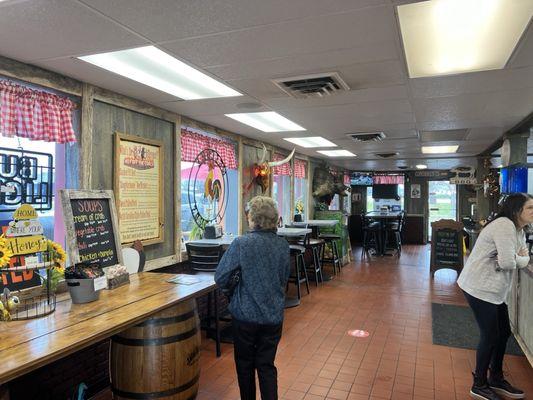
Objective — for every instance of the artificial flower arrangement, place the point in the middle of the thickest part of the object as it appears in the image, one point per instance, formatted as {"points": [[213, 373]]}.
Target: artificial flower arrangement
{"points": [[299, 206], [56, 256]]}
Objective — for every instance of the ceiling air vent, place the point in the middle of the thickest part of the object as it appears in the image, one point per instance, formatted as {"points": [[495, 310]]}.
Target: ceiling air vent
{"points": [[386, 155], [367, 136], [316, 85]]}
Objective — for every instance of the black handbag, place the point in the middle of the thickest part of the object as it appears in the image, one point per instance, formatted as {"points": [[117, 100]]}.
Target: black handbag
{"points": [[233, 281]]}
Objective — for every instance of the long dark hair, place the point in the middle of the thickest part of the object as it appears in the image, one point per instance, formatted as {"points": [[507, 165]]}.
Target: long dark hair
{"points": [[512, 206]]}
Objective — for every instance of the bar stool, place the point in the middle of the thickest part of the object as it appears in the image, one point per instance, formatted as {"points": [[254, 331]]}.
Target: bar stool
{"points": [[395, 229], [371, 235], [205, 258], [331, 240], [300, 272], [314, 245]]}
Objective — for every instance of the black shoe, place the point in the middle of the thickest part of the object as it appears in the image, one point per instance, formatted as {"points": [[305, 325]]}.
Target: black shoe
{"points": [[483, 393], [501, 386]]}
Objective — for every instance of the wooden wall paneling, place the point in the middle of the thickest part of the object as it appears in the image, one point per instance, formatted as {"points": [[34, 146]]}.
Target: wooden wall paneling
{"points": [[292, 189], [87, 125], [524, 329], [39, 76], [177, 187], [240, 183], [118, 100], [108, 119]]}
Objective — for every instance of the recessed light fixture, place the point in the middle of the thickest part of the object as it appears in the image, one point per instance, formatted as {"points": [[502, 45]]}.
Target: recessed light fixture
{"points": [[268, 121], [155, 68], [421, 166], [443, 37], [439, 149], [314, 141], [336, 153]]}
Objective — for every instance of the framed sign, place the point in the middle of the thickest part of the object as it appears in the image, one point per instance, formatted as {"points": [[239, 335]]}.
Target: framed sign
{"points": [[138, 188], [92, 227], [415, 191], [446, 245]]}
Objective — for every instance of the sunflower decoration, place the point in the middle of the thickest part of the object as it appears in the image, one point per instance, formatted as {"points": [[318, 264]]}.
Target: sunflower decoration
{"points": [[57, 254], [5, 253]]}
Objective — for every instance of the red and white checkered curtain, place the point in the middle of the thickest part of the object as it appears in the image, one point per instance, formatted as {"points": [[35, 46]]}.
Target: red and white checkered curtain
{"points": [[193, 143], [34, 114], [388, 179], [300, 168], [283, 169]]}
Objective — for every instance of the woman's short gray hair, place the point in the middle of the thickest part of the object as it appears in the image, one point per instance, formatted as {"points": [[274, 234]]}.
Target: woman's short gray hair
{"points": [[263, 213]]}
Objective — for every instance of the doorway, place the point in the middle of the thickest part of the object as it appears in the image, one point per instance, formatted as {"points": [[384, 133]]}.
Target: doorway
{"points": [[442, 202]]}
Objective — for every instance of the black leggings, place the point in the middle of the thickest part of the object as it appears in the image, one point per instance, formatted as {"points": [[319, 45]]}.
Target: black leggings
{"points": [[494, 329], [255, 348]]}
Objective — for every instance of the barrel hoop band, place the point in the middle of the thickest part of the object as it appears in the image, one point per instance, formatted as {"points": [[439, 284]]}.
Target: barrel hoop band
{"points": [[168, 320], [158, 395], [155, 341]]}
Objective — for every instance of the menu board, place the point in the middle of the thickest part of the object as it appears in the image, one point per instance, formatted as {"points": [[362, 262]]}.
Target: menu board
{"points": [[92, 231], [446, 245], [139, 188]]}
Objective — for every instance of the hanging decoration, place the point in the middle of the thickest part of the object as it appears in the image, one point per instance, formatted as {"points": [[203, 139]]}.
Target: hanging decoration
{"points": [[35, 114], [261, 171], [208, 203], [491, 181], [326, 185], [26, 177]]}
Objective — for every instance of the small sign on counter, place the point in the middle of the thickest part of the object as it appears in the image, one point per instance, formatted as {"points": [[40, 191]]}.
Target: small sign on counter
{"points": [[447, 245]]}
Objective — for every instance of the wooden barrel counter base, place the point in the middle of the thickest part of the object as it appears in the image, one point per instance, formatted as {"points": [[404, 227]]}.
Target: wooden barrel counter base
{"points": [[158, 358]]}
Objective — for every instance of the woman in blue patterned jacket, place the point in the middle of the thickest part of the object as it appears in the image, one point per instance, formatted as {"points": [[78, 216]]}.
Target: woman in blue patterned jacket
{"points": [[258, 301]]}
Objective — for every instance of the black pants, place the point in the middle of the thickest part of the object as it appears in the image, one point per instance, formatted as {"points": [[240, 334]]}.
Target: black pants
{"points": [[494, 329], [255, 348]]}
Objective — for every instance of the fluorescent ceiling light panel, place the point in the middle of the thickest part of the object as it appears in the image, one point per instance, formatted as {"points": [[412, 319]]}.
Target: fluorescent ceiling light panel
{"points": [[421, 166], [155, 68], [313, 141], [269, 121], [336, 153], [439, 149], [443, 37]]}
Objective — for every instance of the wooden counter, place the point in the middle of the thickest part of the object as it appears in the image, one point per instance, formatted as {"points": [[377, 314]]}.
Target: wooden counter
{"points": [[28, 345]]}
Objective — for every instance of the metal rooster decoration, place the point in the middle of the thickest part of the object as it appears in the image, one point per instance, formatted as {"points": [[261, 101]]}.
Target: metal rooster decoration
{"points": [[261, 170], [212, 186]]}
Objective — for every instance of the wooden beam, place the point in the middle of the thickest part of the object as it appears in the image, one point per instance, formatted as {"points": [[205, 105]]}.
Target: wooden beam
{"points": [[86, 142], [119, 100], [177, 188], [39, 76], [240, 180]]}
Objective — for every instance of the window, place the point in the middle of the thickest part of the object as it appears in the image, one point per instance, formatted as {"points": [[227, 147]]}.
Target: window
{"points": [[192, 144], [335, 203], [281, 186], [51, 219], [369, 199], [300, 187]]}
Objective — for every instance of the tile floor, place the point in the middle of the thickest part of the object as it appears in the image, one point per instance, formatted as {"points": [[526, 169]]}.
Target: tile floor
{"points": [[391, 299]]}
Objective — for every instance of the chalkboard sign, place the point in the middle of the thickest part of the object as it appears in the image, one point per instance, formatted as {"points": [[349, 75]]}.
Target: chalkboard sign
{"points": [[92, 229], [446, 245]]}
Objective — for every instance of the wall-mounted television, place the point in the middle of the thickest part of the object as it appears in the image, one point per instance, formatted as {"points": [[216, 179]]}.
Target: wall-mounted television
{"points": [[361, 180], [513, 179], [384, 191]]}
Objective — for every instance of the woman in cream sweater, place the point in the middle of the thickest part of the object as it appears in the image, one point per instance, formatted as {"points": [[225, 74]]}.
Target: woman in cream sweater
{"points": [[486, 282]]}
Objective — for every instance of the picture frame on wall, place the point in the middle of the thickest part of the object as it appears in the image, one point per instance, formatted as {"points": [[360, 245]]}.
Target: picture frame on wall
{"points": [[416, 191], [139, 187]]}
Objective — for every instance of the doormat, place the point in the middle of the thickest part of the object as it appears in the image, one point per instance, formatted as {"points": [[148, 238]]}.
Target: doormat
{"points": [[455, 326]]}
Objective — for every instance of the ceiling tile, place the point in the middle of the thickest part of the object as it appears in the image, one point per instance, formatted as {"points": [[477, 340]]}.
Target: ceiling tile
{"points": [[439, 136], [164, 20], [333, 32], [37, 29], [449, 108]]}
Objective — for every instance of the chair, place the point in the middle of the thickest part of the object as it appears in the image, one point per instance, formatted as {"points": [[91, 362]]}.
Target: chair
{"points": [[395, 229], [299, 274], [371, 235], [205, 258], [315, 246], [132, 259]]}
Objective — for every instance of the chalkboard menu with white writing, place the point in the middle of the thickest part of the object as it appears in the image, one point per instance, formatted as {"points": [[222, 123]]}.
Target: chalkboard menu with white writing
{"points": [[92, 230], [447, 245]]}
